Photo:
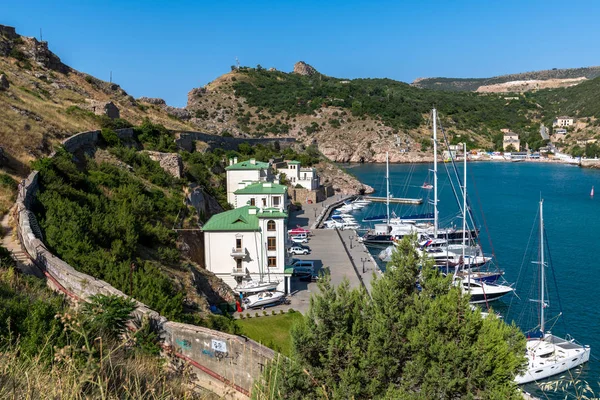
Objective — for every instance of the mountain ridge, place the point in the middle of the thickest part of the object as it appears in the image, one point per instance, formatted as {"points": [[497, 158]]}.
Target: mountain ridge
{"points": [[472, 84]]}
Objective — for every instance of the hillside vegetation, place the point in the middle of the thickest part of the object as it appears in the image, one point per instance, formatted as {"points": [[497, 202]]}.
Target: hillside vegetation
{"points": [[471, 84], [49, 351]]}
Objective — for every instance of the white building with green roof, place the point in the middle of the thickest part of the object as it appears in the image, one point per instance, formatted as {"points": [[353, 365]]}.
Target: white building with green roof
{"points": [[262, 194], [247, 241], [240, 174]]}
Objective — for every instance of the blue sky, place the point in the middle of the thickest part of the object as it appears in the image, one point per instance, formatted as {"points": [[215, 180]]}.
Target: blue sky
{"points": [[163, 49]]}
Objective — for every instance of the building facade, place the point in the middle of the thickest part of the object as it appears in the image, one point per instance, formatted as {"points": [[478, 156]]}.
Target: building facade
{"points": [[297, 175], [262, 194], [509, 139], [563, 121], [240, 174], [247, 242]]}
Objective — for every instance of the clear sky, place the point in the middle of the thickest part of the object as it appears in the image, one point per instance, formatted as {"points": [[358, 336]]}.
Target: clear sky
{"points": [[164, 49]]}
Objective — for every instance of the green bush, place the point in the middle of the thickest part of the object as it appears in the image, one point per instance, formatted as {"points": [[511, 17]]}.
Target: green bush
{"points": [[110, 137]]}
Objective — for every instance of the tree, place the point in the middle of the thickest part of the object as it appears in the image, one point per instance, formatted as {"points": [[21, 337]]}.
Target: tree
{"points": [[415, 338], [510, 149]]}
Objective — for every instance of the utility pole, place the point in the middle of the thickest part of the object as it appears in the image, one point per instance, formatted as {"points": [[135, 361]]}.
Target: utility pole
{"points": [[110, 76], [41, 38], [237, 63]]}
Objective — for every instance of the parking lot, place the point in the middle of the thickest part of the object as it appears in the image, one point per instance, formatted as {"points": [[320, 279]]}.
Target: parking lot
{"points": [[339, 254]]}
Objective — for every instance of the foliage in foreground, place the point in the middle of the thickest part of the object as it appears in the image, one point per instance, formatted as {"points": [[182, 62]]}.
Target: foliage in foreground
{"points": [[401, 343], [49, 351]]}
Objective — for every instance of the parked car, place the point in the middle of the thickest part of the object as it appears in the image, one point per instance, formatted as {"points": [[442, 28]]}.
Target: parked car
{"points": [[302, 268], [299, 236], [299, 240], [296, 250]]}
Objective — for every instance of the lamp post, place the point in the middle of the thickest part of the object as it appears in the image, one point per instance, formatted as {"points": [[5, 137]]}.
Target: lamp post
{"points": [[315, 209], [364, 260], [351, 239]]}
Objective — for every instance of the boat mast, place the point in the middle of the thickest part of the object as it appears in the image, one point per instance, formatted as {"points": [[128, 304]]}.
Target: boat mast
{"points": [[435, 194], [387, 178], [542, 266], [465, 211]]}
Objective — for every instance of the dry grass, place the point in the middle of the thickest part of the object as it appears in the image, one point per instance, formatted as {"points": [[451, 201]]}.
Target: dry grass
{"points": [[114, 376]]}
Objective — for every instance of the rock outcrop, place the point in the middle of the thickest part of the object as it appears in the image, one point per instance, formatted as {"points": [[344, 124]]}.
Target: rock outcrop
{"points": [[205, 204], [4, 85], [302, 68], [341, 181], [153, 100], [170, 162]]}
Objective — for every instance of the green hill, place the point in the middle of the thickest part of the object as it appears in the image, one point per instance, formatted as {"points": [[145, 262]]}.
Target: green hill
{"points": [[471, 84]]}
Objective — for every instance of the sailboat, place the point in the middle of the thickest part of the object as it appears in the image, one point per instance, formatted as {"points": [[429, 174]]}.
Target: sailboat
{"points": [[547, 354], [592, 192], [480, 291]]}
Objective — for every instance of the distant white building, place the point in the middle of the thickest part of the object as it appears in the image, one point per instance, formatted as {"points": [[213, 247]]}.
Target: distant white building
{"points": [[240, 174], [563, 121], [296, 175], [247, 241], [511, 138], [261, 194]]}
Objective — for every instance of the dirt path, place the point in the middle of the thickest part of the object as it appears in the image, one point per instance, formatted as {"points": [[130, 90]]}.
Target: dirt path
{"points": [[11, 243]]}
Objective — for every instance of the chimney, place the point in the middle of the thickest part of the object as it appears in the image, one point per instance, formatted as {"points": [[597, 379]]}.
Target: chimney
{"points": [[235, 160], [231, 161], [253, 161]]}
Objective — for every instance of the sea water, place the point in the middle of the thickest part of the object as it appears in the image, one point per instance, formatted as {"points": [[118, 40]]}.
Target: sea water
{"points": [[504, 197]]}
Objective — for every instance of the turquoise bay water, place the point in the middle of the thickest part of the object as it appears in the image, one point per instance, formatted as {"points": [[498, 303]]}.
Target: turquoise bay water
{"points": [[508, 194]]}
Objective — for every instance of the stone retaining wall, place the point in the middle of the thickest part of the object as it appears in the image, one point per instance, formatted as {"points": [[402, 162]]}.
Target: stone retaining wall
{"points": [[185, 141], [234, 360]]}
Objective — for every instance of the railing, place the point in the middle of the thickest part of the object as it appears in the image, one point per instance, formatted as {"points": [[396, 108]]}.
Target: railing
{"points": [[238, 252]]}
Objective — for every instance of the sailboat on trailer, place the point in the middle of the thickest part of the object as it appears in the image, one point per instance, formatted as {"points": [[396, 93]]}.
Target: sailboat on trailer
{"points": [[547, 354]]}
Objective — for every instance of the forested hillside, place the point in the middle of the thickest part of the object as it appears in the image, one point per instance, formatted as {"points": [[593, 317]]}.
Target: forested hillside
{"points": [[471, 84]]}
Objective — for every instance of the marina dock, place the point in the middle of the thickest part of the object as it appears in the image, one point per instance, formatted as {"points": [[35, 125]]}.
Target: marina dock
{"points": [[396, 200]]}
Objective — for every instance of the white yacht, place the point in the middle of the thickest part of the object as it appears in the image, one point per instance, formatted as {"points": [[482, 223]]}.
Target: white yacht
{"points": [[263, 299], [549, 355]]}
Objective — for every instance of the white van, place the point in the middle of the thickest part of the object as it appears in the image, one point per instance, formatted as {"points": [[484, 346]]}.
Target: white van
{"points": [[299, 236]]}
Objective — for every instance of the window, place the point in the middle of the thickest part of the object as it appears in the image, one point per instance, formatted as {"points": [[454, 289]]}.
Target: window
{"points": [[272, 262], [238, 243], [276, 201], [238, 263], [253, 201], [264, 202], [271, 225], [271, 243]]}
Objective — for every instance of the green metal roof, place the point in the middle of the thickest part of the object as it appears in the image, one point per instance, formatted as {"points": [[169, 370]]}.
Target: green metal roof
{"points": [[288, 269], [247, 165], [238, 219], [294, 162], [263, 188]]}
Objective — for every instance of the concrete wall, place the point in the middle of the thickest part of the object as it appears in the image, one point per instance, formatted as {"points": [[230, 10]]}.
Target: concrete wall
{"points": [[234, 361], [185, 141]]}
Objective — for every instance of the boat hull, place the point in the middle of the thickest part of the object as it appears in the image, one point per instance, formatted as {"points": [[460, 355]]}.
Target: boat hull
{"points": [[570, 355]]}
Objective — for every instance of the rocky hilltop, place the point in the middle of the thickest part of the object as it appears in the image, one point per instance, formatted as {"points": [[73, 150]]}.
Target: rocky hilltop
{"points": [[43, 101], [302, 68]]}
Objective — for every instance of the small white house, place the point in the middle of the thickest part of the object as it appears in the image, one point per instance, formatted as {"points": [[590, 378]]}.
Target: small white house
{"points": [[239, 174], [563, 121], [296, 175], [247, 241], [262, 194]]}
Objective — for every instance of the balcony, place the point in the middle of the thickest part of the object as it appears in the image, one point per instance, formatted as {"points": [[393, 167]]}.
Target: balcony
{"points": [[238, 271], [238, 253]]}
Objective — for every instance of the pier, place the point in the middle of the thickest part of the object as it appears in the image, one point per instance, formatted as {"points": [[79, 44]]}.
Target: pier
{"points": [[396, 200]]}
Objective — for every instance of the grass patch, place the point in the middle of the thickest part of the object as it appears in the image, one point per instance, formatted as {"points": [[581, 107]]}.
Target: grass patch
{"points": [[272, 331]]}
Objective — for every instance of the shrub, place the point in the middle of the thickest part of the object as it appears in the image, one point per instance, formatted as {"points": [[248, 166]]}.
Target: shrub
{"points": [[291, 311], [110, 137], [256, 315], [248, 315], [265, 313]]}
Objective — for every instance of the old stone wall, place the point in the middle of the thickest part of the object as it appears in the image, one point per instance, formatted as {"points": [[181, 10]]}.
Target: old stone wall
{"points": [[170, 162], [302, 195], [185, 141], [232, 360], [90, 139]]}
